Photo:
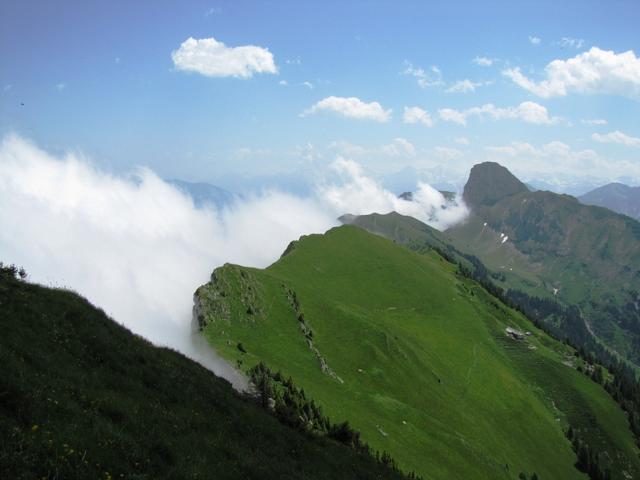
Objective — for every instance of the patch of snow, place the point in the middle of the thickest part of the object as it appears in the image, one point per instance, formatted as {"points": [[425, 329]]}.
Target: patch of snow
{"points": [[506, 237], [485, 224], [501, 235]]}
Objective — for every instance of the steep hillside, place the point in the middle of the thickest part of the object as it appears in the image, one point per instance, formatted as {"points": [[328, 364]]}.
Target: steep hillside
{"points": [[81, 397], [617, 197], [417, 358], [551, 245]]}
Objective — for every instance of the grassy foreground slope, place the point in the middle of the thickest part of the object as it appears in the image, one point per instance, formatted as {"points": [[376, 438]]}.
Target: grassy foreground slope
{"points": [[81, 397], [415, 357]]}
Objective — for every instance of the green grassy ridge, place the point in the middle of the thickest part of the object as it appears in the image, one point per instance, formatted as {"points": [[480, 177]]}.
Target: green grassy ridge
{"points": [[428, 372], [82, 397]]}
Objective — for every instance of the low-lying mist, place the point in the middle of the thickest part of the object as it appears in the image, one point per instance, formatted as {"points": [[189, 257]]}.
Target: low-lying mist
{"points": [[138, 247]]}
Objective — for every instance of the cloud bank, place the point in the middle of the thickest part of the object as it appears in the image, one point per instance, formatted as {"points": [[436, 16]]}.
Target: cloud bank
{"points": [[212, 58], [138, 247]]}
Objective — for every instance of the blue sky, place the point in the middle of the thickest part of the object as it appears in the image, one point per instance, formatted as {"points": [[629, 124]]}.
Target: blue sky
{"points": [[99, 77]]}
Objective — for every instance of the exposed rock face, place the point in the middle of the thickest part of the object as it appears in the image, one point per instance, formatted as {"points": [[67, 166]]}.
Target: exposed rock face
{"points": [[489, 182]]}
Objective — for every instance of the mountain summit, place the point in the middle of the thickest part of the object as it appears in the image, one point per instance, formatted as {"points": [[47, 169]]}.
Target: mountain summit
{"points": [[489, 182]]}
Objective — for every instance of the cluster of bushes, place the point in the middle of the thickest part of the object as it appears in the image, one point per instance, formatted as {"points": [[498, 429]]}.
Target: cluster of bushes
{"points": [[290, 405]]}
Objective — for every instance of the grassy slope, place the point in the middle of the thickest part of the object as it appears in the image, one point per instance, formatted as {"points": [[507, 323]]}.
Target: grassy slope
{"points": [[81, 397], [589, 253], [413, 344]]}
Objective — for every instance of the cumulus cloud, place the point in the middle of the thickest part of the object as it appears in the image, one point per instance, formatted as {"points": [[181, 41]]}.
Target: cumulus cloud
{"points": [[212, 58], [350, 107], [534, 40], [359, 194], [462, 140], [591, 72], [425, 78], [483, 61], [138, 247], [617, 137], [417, 115], [529, 112]]}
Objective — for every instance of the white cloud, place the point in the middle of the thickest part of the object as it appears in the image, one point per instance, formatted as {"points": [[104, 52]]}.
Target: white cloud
{"points": [[447, 153], [568, 42], [417, 115], [594, 121], [534, 40], [430, 78], [464, 86], [617, 137], [350, 107], [529, 112], [591, 72], [211, 58], [461, 140], [60, 86], [483, 61], [283, 83], [309, 85]]}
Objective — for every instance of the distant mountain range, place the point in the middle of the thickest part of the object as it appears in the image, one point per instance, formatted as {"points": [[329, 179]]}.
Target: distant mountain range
{"points": [[618, 197]]}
